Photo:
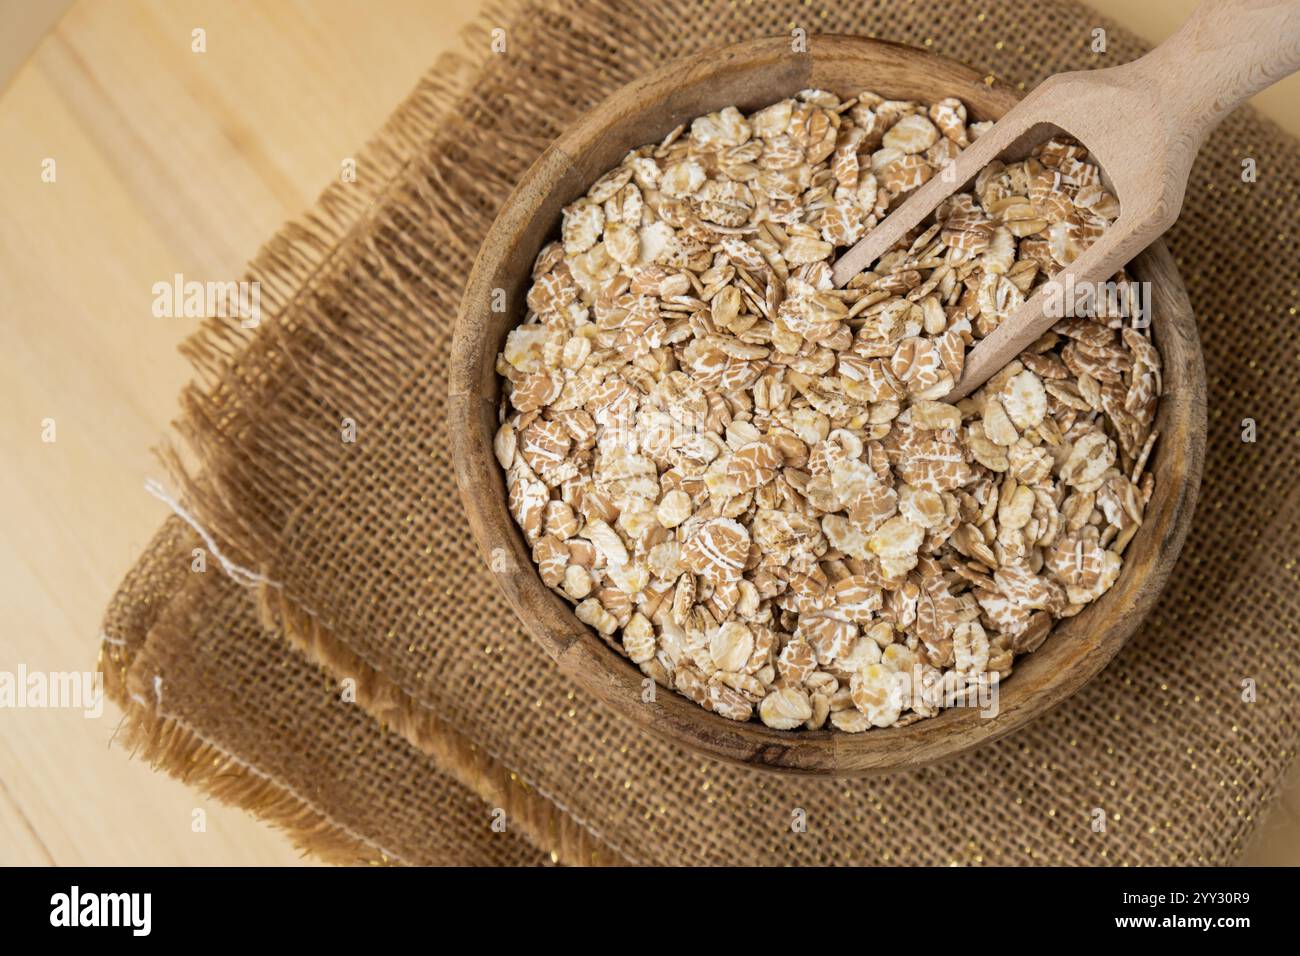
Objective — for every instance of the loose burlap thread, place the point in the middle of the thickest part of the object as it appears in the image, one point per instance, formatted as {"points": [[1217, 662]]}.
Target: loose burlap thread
{"points": [[457, 714]]}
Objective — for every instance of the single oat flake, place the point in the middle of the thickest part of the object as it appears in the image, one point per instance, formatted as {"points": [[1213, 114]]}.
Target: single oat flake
{"points": [[746, 480]]}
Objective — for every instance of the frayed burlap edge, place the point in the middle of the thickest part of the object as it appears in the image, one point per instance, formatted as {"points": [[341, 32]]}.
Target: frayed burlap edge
{"points": [[155, 609], [288, 265], [288, 268], [168, 745], [539, 818]]}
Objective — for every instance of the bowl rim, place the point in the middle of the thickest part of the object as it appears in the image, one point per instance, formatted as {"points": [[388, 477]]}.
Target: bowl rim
{"points": [[563, 172]]}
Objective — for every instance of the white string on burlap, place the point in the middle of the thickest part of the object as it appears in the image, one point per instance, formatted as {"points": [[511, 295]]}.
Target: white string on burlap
{"points": [[237, 573]]}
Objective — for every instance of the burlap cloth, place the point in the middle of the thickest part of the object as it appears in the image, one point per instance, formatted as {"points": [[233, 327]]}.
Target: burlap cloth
{"points": [[370, 573]]}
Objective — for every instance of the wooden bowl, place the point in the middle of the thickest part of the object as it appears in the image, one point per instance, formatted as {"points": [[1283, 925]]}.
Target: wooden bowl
{"points": [[751, 75]]}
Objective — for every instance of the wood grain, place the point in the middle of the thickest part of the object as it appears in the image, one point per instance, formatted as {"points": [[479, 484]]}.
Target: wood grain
{"points": [[1156, 20], [749, 75]]}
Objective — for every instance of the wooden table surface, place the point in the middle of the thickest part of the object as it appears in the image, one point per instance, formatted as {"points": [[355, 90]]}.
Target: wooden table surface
{"points": [[168, 161]]}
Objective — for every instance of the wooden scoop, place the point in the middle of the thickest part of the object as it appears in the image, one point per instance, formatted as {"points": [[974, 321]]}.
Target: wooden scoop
{"points": [[1143, 122]]}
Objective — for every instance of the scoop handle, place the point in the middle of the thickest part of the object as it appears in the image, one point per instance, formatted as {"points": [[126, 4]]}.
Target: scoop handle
{"points": [[1225, 53]]}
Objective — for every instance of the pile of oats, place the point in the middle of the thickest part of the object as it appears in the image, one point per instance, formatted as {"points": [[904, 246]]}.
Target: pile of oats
{"points": [[744, 479]]}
